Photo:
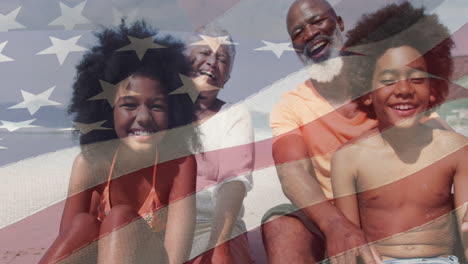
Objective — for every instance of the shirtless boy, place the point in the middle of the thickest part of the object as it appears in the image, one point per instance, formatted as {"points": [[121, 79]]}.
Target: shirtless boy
{"points": [[396, 182]]}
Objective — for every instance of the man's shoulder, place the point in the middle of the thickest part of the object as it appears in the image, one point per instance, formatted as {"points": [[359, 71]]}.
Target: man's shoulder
{"points": [[293, 94], [296, 98]]}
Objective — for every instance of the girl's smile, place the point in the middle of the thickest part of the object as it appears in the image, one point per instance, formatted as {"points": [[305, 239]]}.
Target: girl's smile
{"points": [[140, 112]]}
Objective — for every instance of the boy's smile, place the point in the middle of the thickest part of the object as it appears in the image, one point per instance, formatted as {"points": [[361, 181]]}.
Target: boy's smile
{"points": [[401, 87]]}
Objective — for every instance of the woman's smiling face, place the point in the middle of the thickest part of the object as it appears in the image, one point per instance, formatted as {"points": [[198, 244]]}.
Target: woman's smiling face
{"points": [[212, 67], [140, 111]]}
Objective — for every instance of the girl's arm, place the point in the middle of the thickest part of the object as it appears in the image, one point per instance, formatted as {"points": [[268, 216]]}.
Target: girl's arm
{"points": [[80, 192], [76, 228], [181, 215]]}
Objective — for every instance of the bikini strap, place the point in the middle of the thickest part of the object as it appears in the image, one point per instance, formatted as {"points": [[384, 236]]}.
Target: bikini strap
{"points": [[104, 205], [155, 169], [111, 169]]}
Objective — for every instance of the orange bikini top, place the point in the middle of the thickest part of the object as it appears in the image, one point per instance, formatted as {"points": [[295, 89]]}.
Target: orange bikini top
{"points": [[148, 211]]}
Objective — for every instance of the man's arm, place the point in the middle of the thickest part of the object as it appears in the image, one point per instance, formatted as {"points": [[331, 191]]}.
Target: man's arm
{"points": [[300, 185], [460, 183]]}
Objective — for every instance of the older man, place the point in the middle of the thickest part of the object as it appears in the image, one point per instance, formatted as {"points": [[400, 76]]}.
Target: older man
{"points": [[309, 124]]}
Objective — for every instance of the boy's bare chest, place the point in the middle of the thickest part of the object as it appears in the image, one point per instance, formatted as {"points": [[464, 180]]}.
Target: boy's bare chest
{"points": [[392, 183], [427, 188], [380, 167]]}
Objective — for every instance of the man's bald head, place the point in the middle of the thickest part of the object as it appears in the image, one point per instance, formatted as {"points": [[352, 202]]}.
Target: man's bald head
{"points": [[315, 30], [299, 4]]}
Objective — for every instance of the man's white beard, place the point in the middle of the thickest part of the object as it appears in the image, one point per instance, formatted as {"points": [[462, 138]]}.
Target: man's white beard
{"points": [[325, 71]]}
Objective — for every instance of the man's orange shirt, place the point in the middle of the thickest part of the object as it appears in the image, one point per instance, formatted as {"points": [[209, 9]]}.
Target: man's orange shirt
{"points": [[305, 113]]}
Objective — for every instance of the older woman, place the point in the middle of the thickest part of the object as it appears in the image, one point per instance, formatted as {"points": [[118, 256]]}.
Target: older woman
{"points": [[224, 169]]}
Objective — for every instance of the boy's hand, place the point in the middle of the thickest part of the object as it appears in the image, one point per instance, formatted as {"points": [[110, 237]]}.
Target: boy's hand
{"points": [[345, 242], [464, 233]]}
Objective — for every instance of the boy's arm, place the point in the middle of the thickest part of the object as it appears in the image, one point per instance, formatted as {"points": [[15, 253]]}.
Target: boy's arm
{"points": [[343, 175], [461, 194], [181, 213]]}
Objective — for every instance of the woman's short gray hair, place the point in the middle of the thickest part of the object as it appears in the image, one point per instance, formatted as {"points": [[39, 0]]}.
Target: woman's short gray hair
{"points": [[213, 31]]}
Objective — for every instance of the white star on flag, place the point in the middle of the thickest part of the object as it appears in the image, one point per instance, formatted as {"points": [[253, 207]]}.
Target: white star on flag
{"points": [[62, 47], [213, 42], [108, 92], [187, 87], [192, 86], [4, 58], [12, 126], [276, 48], [86, 128], [1, 146], [71, 16], [8, 21], [463, 81], [140, 46], [131, 16], [33, 102]]}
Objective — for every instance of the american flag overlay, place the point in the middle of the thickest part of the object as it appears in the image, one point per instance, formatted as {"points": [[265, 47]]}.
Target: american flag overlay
{"points": [[42, 42]]}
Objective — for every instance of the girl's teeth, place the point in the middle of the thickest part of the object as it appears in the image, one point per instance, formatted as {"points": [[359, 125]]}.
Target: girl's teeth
{"points": [[140, 133]]}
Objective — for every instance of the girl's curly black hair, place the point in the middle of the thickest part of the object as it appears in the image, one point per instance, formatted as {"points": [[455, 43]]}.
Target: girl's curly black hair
{"points": [[394, 26], [104, 63]]}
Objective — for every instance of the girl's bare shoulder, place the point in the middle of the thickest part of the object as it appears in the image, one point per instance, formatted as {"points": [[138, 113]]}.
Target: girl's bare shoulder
{"points": [[87, 173]]}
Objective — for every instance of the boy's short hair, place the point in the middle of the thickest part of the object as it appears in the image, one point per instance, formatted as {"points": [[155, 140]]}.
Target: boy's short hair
{"points": [[395, 26], [104, 63]]}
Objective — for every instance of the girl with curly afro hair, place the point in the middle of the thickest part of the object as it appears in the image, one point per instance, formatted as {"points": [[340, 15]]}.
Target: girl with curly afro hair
{"points": [[130, 193]]}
